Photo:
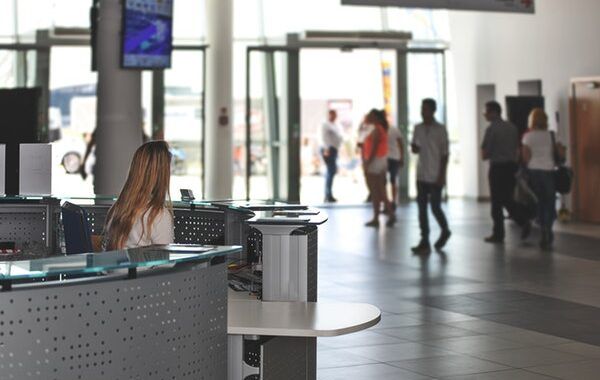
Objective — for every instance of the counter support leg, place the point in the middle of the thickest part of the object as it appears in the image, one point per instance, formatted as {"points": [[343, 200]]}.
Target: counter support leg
{"points": [[235, 357]]}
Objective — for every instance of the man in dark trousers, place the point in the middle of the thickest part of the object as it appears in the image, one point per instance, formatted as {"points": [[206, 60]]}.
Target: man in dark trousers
{"points": [[501, 148], [430, 142], [332, 139]]}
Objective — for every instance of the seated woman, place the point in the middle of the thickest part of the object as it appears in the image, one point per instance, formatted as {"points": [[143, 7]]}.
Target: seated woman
{"points": [[142, 215]]}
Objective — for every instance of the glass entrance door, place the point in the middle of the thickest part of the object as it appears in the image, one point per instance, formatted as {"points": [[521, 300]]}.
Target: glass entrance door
{"points": [[272, 141]]}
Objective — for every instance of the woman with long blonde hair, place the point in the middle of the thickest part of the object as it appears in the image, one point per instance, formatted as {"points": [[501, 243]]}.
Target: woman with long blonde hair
{"points": [[142, 215], [541, 154]]}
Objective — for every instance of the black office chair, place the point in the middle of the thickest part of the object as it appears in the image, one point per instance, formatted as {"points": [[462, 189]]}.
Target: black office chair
{"points": [[78, 232]]}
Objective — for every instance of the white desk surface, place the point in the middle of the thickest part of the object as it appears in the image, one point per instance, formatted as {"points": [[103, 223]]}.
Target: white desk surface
{"points": [[299, 319]]}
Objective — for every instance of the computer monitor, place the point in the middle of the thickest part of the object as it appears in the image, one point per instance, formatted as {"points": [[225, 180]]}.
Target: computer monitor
{"points": [[147, 34]]}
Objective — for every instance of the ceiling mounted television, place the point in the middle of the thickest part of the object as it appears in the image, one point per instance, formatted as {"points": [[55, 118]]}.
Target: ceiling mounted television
{"points": [[147, 34]]}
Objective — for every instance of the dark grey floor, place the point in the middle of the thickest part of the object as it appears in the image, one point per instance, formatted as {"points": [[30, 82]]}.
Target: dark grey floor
{"points": [[474, 311]]}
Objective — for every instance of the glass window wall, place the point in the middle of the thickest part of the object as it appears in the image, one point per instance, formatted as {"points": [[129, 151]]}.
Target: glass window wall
{"points": [[72, 117], [324, 74], [183, 127]]}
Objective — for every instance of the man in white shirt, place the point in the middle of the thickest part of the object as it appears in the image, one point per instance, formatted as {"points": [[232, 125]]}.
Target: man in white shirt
{"points": [[331, 137], [430, 142]]}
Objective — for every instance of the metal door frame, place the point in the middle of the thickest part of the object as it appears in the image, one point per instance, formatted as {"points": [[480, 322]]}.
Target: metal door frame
{"points": [[268, 50]]}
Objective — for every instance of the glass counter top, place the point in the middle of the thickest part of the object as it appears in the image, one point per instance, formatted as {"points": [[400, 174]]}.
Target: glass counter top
{"points": [[91, 263], [259, 205]]}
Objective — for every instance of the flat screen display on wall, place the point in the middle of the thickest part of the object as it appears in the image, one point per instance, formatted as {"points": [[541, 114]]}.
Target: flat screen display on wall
{"points": [[516, 6], [147, 34]]}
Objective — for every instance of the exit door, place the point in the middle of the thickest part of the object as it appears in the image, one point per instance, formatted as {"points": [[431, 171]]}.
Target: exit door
{"points": [[585, 150]]}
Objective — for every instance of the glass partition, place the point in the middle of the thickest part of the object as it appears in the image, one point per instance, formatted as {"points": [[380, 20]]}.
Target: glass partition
{"points": [[97, 263], [72, 115], [183, 123]]}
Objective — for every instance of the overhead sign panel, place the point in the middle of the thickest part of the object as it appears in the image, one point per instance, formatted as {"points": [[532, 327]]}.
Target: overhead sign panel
{"points": [[515, 6]]}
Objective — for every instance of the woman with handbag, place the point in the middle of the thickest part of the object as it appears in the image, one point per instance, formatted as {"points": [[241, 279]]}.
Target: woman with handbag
{"points": [[541, 155]]}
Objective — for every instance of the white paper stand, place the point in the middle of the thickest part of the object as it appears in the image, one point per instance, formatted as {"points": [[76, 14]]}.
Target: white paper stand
{"points": [[35, 169]]}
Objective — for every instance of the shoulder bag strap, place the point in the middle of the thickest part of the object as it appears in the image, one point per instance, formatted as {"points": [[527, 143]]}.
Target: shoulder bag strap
{"points": [[554, 150]]}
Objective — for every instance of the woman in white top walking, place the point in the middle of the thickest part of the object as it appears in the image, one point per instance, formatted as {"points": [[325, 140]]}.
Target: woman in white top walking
{"points": [[540, 155], [142, 215]]}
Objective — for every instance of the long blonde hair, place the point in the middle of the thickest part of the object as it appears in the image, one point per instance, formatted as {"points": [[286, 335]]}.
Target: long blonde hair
{"points": [[538, 119], [146, 191]]}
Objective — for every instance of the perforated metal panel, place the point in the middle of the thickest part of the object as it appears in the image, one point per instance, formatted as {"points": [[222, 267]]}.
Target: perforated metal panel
{"points": [[199, 227], [41, 224], [96, 216], [28, 224], [253, 243], [191, 226], [170, 324], [313, 262]]}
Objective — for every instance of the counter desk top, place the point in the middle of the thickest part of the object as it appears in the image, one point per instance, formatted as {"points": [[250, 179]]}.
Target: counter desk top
{"points": [[91, 263], [248, 316]]}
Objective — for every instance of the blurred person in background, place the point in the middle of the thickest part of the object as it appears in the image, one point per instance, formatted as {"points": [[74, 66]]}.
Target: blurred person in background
{"points": [[363, 131], [331, 138], [500, 147], [430, 142], [541, 154], [395, 161], [375, 154]]}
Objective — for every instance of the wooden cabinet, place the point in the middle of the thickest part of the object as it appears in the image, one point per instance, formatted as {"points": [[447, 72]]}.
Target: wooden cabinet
{"points": [[585, 148]]}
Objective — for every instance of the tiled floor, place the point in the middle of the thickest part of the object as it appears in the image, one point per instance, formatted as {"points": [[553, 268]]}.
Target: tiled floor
{"points": [[474, 311]]}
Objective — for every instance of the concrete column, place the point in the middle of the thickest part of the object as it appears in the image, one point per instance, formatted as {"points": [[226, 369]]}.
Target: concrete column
{"points": [[119, 110], [219, 99]]}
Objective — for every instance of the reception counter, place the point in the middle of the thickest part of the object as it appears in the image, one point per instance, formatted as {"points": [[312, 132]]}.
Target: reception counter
{"points": [[171, 321], [148, 313]]}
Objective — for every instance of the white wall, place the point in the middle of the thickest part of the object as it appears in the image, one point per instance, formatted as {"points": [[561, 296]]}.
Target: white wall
{"points": [[556, 44]]}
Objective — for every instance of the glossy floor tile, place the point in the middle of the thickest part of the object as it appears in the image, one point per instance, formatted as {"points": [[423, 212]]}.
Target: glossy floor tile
{"points": [[455, 365], [586, 370], [473, 311], [371, 371], [514, 374]]}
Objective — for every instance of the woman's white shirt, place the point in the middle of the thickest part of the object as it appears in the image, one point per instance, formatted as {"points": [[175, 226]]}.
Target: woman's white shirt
{"points": [[542, 150], [364, 132], [394, 135], [162, 231]]}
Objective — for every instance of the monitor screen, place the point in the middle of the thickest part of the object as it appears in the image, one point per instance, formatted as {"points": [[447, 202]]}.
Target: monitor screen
{"points": [[147, 34]]}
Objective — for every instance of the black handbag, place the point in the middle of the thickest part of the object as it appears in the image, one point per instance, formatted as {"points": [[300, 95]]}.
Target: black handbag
{"points": [[563, 175]]}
